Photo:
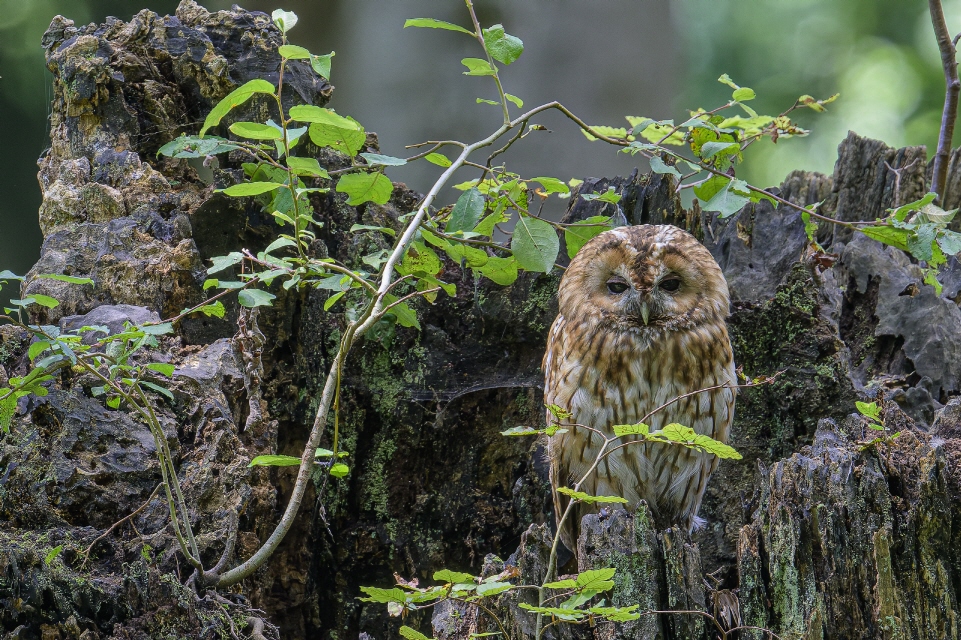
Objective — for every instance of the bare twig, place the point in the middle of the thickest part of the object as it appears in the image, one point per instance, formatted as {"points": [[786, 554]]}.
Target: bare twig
{"points": [[952, 88], [86, 554]]}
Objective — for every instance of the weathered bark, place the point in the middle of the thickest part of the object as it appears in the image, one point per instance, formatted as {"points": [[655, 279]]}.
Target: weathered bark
{"points": [[433, 484]]}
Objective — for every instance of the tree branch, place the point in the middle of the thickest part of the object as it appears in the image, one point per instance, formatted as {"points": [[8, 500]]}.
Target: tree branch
{"points": [[951, 91]]}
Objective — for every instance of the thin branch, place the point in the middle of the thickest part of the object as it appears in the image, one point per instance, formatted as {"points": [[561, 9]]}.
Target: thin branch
{"points": [[86, 554], [949, 64]]}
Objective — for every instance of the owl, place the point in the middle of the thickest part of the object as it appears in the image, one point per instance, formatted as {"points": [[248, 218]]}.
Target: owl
{"points": [[640, 322]]}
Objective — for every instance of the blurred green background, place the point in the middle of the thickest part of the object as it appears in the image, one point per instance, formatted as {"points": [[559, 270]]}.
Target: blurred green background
{"points": [[604, 60]]}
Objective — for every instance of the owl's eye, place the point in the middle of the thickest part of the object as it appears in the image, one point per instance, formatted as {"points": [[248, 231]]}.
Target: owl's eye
{"points": [[671, 285], [616, 286]]}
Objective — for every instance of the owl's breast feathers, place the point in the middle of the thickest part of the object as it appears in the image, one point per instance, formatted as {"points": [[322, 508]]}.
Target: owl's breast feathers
{"points": [[607, 377]]}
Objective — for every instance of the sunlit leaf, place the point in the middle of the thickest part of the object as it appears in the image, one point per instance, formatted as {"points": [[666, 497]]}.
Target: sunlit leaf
{"points": [[477, 67], [235, 98], [579, 234], [580, 496], [250, 188], [438, 158], [255, 131], [430, 23], [365, 187], [285, 20], [63, 278], [293, 52], [274, 461]]}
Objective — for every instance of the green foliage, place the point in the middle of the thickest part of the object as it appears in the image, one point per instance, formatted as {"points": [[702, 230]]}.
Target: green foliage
{"points": [[580, 496]]}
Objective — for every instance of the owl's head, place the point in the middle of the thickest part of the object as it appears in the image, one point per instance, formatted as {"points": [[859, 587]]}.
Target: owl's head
{"points": [[646, 278]]}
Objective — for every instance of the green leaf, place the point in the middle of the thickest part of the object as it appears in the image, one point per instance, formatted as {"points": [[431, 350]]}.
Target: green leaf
{"points": [[285, 20], [158, 389], [477, 67], [716, 194], [235, 98], [332, 300], [365, 187], [215, 310], [489, 589], [502, 271], [419, 258], [596, 579], [453, 577], [63, 278], [689, 438], [37, 348], [44, 301], [327, 453], [562, 613], [254, 298], [950, 242], [534, 245], [517, 101], [711, 149], [321, 64], [375, 594], [406, 317], [869, 410], [293, 52], [521, 431], [317, 115], [412, 634], [159, 329], [52, 555], [8, 407], [339, 470], [502, 46], [659, 166], [6, 274], [552, 185], [921, 241], [743, 94], [162, 368], [114, 402], [640, 429], [306, 167], [609, 196], [580, 496], [885, 234], [569, 583], [438, 158], [577, 235], [467, 211], [430, 23], [250, 189], [342, 139], [225, 262], [378, 159], [726, 79], [196, 147], [255, 131], [617, 614], [274, 461], [279, 243], [370, 227]]}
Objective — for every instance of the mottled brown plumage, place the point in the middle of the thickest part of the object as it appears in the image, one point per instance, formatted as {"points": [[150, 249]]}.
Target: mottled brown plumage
{"points": [[641, 322]]}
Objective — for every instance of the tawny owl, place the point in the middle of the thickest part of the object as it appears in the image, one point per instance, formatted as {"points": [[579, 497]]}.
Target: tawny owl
{"points": [[641, 322]]}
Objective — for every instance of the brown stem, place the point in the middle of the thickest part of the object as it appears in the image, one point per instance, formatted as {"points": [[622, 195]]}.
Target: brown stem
{"points": [[952, 89]]}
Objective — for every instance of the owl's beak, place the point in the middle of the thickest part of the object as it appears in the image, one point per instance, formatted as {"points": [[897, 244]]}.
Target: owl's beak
{"points": [[645, 312]]}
